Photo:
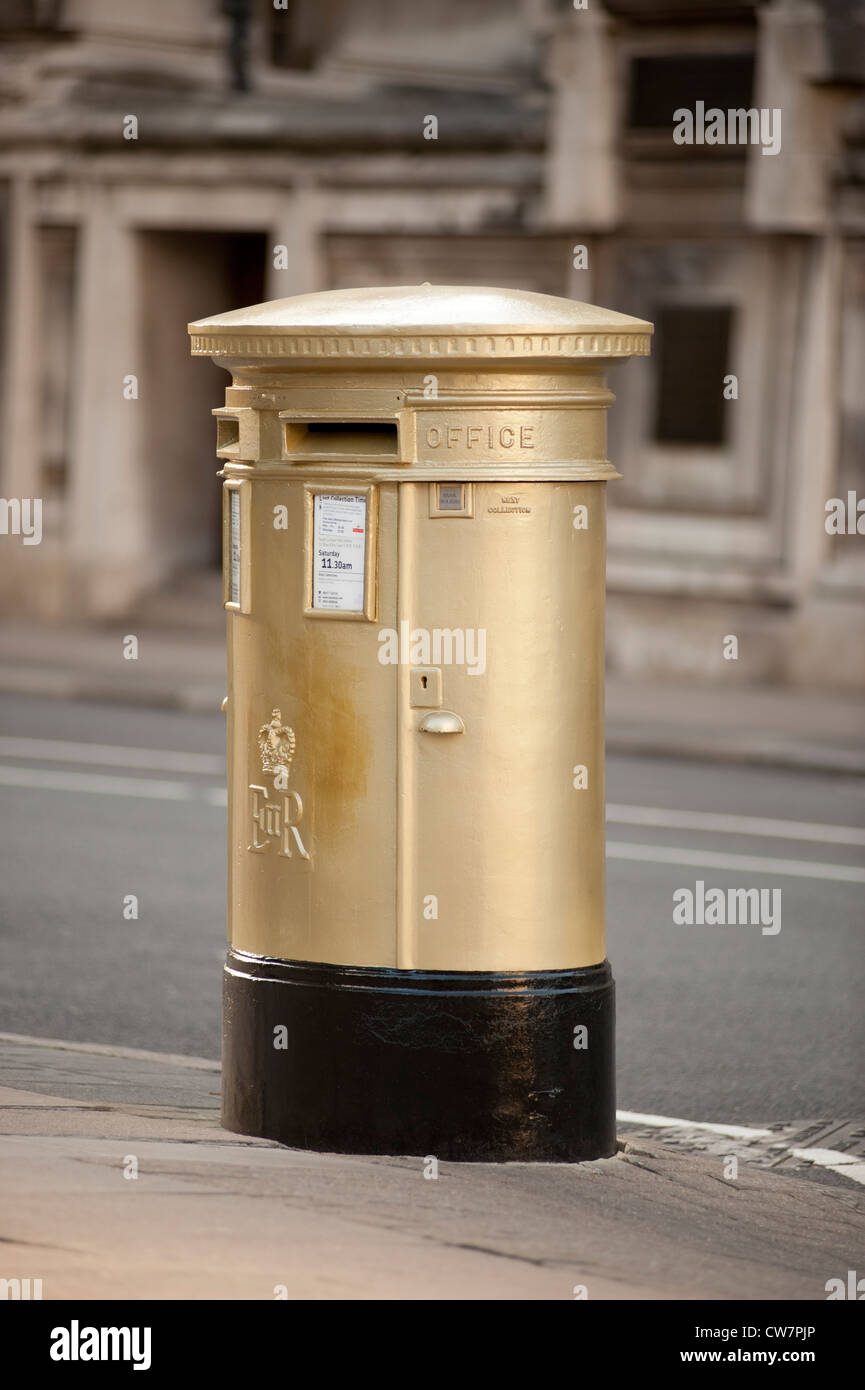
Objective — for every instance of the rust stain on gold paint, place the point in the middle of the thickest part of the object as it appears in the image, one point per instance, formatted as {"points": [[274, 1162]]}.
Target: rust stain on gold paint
{"points": [[339, 741]]}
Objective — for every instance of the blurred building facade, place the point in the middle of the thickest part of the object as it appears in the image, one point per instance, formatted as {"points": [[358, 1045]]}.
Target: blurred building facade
{"points": [[154, 158]]}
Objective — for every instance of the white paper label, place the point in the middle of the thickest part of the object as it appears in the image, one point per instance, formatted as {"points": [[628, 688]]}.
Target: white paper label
{"points": [[339, 548], [234, 557]]}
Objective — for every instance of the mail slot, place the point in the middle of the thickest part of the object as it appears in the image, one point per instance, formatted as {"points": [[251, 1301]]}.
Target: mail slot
{"points": [[414, 536]]}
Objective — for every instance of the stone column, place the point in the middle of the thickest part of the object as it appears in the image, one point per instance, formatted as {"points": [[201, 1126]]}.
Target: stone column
{"points": [[107, 535], [297, 227], [20, 457], [582, 176], [789, 191]]}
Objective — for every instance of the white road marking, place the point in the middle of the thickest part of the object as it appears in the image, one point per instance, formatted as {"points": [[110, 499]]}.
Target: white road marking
{"points": [[147, 787], [707, 859], [631, 1117], [831, 1158], [213, 765], [156, 789], [735, 825], [849, 1165], [112, 755]]}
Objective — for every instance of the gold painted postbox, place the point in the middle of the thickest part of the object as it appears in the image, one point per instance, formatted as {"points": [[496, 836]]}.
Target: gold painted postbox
{"points": [[414, 542]]}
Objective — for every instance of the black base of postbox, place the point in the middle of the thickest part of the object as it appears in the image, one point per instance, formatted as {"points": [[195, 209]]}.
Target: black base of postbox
{"points": [[475, 1066]]}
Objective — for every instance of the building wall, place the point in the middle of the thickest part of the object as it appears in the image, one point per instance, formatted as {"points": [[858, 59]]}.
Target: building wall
{"points": [[554, 168]]}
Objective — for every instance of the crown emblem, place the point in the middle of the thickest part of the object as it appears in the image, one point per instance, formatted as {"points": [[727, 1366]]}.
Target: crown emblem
{"points": [[276, 744]]}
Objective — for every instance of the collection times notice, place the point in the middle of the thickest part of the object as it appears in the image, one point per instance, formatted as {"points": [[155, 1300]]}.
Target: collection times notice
{"points": [[339, 550]]}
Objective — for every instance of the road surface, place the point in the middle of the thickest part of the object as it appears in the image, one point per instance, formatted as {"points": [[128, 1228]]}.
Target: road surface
{"points": [[715, 1023]]}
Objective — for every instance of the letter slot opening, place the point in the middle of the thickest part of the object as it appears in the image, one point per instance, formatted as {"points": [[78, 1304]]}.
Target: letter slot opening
{"points": [[363, 440], [227, 436]]}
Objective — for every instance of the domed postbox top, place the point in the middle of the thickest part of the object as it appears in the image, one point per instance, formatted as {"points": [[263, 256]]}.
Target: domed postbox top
{"points": [[406, 321]]}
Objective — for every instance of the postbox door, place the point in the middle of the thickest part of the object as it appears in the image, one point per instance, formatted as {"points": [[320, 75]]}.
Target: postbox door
{"points": [[501, 797]]}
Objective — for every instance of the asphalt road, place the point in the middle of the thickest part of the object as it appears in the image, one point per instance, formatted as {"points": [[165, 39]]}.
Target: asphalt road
{"points": [[715, 1023]]}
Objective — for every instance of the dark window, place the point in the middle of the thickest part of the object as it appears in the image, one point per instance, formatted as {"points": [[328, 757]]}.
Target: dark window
{"points": [[660, 86], [692, 345]]}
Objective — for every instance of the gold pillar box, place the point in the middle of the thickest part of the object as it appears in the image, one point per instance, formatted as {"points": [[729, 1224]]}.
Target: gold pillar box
{"points": [[414, 583]]}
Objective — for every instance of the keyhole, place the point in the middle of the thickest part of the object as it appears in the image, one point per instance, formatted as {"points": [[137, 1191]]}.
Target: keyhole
{"points": [[423, 681]]}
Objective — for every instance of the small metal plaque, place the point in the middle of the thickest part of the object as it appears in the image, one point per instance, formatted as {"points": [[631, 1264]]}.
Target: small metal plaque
{"points": [[450, 499]]}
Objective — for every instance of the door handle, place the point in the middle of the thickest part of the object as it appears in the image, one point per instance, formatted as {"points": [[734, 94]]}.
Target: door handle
{"points": [[442, 721]]}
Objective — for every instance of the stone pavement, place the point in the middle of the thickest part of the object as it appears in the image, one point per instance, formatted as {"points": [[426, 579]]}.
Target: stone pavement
{"points": [[119, 1183]]}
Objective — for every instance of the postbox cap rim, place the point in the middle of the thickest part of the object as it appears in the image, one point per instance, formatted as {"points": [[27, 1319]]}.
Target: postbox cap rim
{"points": [[398, 310]]}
